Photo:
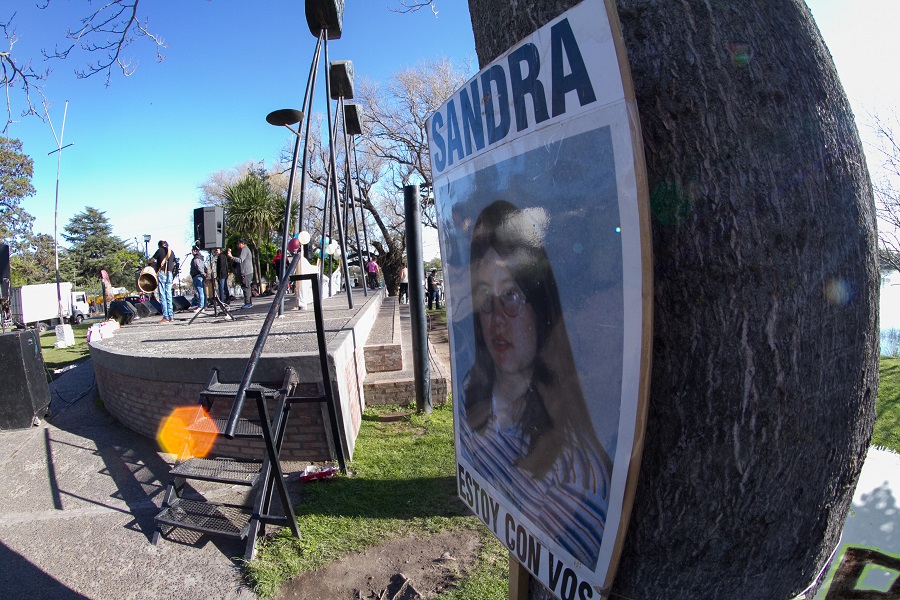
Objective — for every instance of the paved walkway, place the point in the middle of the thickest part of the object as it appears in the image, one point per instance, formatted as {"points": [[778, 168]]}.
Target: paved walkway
{"points": [[79, 493], [78, 498], [77, 504], [873, 524]]}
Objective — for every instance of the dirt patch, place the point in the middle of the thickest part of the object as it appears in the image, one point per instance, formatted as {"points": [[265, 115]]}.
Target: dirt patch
{"points": [[399, 569]]}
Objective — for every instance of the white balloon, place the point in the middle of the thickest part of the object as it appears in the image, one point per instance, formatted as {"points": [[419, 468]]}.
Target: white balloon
{"points": [[303, 237], [337, 251]]}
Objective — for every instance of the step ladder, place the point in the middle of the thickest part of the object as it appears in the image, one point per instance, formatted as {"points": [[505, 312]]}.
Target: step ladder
{"points": [[264, 476]]}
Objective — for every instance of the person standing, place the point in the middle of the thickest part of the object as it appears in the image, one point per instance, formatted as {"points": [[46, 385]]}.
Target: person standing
{"points": [[433, 290], [198, 277], [372, 271], [164, 263], [243, 267], [222, 276], [404, 285]]}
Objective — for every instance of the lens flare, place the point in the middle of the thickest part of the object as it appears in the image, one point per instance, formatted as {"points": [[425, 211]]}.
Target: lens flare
{"points": [[838, 291], [741, 54], [175, 437]]}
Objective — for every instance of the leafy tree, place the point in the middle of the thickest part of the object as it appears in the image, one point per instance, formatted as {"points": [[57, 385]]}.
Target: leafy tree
{"points": [[35, 262], [94, 247], [16, 170], [212, 190], [435, 263], [253, 211]]}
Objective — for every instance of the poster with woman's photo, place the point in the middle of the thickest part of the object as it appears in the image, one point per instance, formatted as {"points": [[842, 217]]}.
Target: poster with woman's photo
{"points": [[541, 201]]}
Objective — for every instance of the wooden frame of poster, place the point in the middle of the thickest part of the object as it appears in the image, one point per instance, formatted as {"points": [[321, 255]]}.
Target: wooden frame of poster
{"points": [[543, 216]]}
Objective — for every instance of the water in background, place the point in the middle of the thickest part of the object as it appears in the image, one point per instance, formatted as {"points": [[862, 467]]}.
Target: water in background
{"points": [[890, 342], [889, 316]]}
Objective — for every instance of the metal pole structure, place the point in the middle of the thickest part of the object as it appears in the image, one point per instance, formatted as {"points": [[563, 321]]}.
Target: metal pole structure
{"points": [[421, 365], [362, 268], [59, 149], [351, 202], [341, 238], [327, 212], [307, 99], [282, 263], [361, 212], [307, 110], [285, 118]]}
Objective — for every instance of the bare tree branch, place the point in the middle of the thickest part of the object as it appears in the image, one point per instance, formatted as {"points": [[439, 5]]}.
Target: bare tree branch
{"points": [[396, 115], [105, 33], [409, 6], [15, 75], [887, 189]]}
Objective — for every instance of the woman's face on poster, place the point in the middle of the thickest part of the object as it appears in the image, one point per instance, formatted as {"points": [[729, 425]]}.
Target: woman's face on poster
{"points": [[507, 321]]}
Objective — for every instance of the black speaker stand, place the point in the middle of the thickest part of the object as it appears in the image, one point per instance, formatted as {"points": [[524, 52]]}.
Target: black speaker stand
{"points": [[216, 302]]}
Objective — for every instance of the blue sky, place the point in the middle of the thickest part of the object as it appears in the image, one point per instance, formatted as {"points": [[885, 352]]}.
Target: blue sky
{"points": [[144, 144]]}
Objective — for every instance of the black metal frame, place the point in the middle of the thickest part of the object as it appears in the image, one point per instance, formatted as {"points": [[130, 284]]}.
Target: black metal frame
{"points": [[217, 302], [272, 431]]}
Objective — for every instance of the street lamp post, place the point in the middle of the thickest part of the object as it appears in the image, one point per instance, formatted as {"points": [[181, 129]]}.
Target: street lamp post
{"points": [[286, 117], [146, 246]]}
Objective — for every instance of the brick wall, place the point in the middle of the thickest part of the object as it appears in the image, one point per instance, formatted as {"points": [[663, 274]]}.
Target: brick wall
{"points": [[384, 357], [141, 391], [142, 404], [403, 391]]}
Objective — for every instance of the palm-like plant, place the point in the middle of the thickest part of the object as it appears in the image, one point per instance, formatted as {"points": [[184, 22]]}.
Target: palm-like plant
{"points": [[254, 212]]}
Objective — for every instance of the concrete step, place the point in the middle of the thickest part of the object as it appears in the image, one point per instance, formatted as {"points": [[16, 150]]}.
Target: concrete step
{"points": [[399, 387], [383, 350]]}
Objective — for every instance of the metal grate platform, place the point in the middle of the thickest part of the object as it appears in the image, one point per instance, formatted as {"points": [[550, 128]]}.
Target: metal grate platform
{"points": [[220, 470], [220, 519], [245, 428], [230, 389]]}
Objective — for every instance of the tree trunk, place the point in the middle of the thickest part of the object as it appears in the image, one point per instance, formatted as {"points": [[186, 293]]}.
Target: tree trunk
{"points": [[765, 356], [390, 260]]}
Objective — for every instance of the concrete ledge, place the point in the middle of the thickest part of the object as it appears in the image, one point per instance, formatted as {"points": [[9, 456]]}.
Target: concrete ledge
{"points": [[148, 369], [403, 391], [385, 350], [399, 387]]}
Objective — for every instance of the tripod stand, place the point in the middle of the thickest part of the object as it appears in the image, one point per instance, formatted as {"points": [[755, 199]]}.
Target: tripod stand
{"points": [[216, 301]]}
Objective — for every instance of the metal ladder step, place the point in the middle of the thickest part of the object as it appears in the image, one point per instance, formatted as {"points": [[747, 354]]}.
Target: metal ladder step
{"points": [[244, 429], [306, 399], [221, 470], [209, 517], [220, 390]]}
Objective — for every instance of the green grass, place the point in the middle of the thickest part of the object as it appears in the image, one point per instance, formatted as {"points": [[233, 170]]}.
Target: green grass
{"points": [[490, 576], [438, 316], [887, 422], [57, 358], [402, 483]]}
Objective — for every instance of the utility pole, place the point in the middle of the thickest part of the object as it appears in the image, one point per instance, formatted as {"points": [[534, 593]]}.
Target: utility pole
{"points": [[59, 149]]}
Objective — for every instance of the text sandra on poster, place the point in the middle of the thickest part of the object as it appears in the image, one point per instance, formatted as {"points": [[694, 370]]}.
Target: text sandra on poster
{"points": [[544, 240]]}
